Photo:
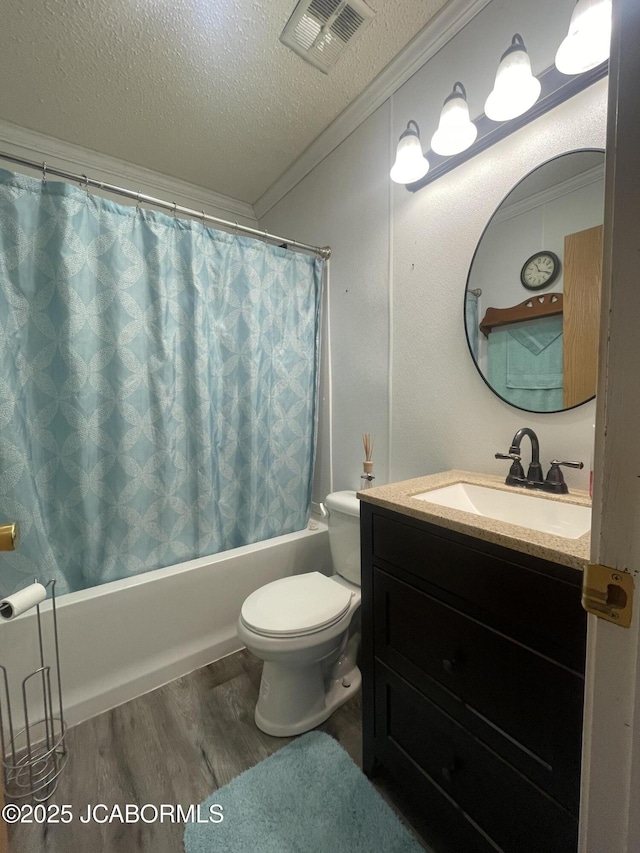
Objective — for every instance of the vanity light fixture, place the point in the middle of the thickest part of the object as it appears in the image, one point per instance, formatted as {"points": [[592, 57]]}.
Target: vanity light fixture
{"points": [[410, 164], [456, 132], [516, 89], [517, 98], [588, 40]]}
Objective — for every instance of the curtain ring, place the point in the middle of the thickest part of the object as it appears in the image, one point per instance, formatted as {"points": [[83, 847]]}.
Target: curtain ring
{"points": [[86, 184], [203, 224], [44, 173], [174, 210], [138, 203], [266, 237]]}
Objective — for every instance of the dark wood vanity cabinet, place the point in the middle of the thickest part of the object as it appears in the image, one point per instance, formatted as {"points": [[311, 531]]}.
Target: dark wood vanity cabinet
{"points": [[473, 681]]}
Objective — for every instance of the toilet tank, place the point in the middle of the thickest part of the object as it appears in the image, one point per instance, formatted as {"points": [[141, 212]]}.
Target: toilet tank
{"points": [[344, 534]]}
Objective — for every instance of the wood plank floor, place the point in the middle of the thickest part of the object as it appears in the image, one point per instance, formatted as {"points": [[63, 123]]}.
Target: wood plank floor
{"points": [[175, 745]]}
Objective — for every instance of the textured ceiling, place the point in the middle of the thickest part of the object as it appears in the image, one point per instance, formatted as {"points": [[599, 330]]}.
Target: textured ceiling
{"points": [[202, 90]]}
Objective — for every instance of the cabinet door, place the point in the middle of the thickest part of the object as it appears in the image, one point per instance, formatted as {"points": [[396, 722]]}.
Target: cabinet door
{"points": [[526, 707], [516, 815]]}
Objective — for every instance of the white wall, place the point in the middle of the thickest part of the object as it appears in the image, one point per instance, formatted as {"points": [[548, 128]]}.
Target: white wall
{"points": [[508, 242], [400, 367], [447, 417], [344, 203]]}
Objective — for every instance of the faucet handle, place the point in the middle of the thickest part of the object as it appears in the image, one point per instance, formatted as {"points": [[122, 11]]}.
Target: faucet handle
{"points": [[555, 480], [516, 470]]}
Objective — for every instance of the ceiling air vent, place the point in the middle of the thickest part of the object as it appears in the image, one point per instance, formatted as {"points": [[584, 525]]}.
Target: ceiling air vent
{"points": [[320, 30]]}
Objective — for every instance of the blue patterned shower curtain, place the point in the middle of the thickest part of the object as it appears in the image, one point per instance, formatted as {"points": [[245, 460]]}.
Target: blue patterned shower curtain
{"points": [[157, 391]]}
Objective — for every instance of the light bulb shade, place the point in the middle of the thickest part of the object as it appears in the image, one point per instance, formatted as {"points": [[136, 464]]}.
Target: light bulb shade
{"points": [[410, 164], [588, 41], [516, 89], [456, 132]]}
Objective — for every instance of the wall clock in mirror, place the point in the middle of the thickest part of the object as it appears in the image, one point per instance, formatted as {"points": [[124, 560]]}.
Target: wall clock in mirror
{"points": [[540, 270]]}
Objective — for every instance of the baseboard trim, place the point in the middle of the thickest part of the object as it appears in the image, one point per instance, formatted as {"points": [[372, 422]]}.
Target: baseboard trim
{"points": [[80, 708]]}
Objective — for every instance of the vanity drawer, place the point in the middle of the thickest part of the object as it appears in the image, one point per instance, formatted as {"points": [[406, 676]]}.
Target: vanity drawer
{"points": [[515, 814], [443, 652], [524, 599]]}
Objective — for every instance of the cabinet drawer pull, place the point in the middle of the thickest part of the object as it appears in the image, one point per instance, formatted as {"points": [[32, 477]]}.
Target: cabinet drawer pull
{"points": [[447, 772]]}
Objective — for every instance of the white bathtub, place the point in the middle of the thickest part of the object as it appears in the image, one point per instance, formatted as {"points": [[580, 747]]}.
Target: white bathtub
{"points": [[127, 637]]}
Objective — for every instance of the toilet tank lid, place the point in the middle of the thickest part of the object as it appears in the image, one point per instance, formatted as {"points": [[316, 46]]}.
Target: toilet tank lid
{"points": [[345, 502]]}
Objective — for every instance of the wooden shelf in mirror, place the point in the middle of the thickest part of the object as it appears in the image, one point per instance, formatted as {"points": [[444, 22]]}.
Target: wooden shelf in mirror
{"points": [[543, 305]]}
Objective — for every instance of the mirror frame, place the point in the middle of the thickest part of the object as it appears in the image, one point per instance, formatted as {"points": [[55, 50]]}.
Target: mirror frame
{"points": [[466, 288]]}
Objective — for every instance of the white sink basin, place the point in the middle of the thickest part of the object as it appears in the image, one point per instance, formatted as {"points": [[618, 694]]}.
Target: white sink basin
{"points": [[527, 510]]}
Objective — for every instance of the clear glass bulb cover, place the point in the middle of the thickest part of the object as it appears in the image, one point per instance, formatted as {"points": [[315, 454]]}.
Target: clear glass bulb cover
{"points": [[516, 89], [456, 132], [587, 43], [411, 164]]}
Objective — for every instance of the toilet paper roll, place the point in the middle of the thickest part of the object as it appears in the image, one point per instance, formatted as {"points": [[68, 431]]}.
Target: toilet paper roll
{"points": [[19, 602]]}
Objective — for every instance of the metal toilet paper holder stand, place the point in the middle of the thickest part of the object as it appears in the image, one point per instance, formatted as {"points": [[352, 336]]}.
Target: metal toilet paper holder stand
{"points": [[34, 756]]}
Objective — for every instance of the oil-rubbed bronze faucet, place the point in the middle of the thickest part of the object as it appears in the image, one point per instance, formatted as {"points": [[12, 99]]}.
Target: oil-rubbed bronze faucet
{"points": [[9, 536], [516, 477], [554, 481]]}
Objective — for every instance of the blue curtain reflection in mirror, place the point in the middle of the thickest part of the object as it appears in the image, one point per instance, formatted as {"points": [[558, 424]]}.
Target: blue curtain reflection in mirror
{"points": [[471, 318]]}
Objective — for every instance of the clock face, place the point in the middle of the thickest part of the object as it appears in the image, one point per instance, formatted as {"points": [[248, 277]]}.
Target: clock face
{"points": [[540, 270]]}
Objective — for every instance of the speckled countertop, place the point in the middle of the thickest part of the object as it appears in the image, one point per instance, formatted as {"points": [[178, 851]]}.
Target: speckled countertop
{"points": [[398, 496]]}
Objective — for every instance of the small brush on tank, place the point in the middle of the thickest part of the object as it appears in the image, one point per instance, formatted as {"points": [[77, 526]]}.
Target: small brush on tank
{"points": [[367, 477]]}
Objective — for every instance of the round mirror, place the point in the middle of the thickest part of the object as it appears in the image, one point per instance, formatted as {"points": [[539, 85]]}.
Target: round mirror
{"points": [[532, 302]]}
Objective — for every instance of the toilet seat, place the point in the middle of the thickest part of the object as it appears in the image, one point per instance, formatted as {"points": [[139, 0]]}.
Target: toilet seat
{"points": [[296, 606]]}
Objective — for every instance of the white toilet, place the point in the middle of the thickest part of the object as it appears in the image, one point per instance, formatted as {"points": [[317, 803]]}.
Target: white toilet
{"points": [[306, 630]]}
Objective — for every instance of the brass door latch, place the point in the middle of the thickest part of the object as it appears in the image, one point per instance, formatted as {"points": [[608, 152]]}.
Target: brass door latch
{"points": [[9, 536], [608, 594]]}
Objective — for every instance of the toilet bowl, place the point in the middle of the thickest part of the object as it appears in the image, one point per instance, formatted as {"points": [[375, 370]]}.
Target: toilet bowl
{"points": [[306, 630]]}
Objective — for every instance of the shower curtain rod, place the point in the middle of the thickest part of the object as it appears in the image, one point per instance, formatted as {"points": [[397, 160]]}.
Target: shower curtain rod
{"points": [[323, 252]]}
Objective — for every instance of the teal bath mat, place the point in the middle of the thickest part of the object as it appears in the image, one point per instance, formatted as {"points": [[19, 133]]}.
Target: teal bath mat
{"points": [[309, 797]]}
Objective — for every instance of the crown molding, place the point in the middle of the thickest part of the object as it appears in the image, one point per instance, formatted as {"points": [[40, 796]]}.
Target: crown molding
{"points": [[550, 194], [441, 29], [31, 145]]}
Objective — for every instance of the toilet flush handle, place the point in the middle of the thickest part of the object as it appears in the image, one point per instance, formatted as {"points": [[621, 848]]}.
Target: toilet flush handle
{"points": [[324, 514]]}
